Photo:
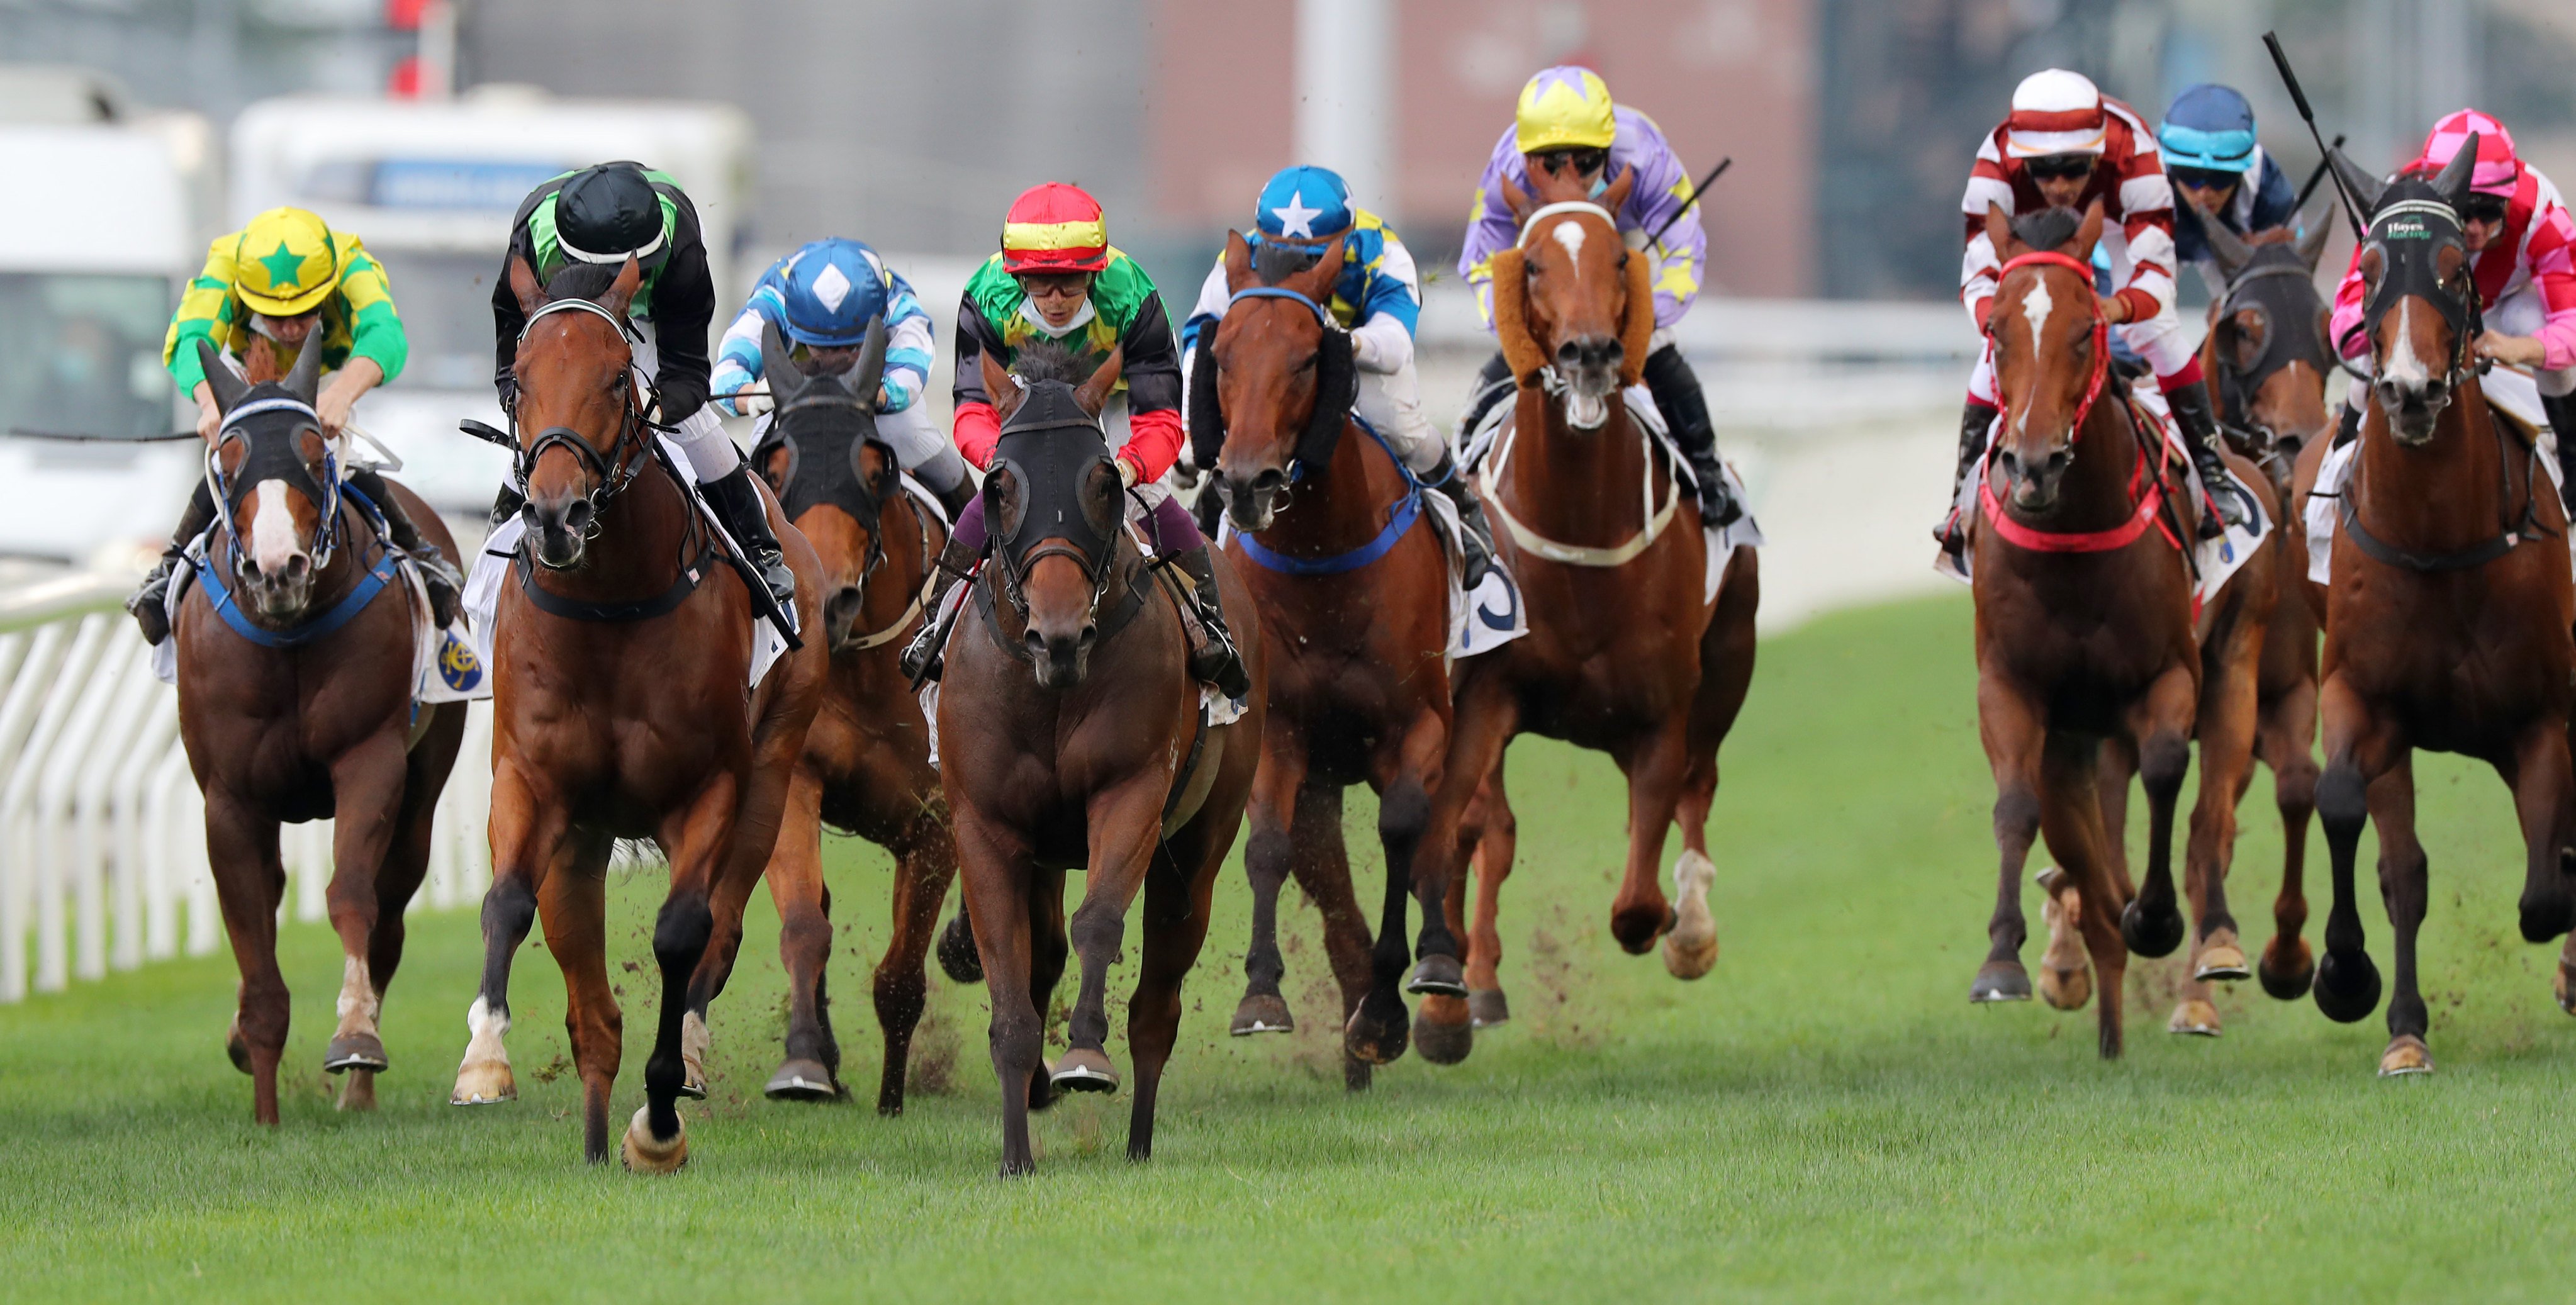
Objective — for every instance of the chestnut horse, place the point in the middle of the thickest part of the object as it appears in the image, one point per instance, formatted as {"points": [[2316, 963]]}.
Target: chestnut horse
{"points": [[2086, 636], [1071, 737], [2448, 611], [620, 709], [1626, 652], [1355, 598], [295, 704]]}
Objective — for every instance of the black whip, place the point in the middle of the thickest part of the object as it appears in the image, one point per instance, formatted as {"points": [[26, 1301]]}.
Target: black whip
{"points": [[78, 437], [1696, 191], [2323, 167], [2351, 215]]}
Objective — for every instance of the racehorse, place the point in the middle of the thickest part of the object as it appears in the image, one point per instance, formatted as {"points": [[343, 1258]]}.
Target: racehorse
{"points": [[2449, 606], [1355, 599], [1071, 736], [295, 704], [620, 709], [1627, 652], [866, 765], [2086, 635]]}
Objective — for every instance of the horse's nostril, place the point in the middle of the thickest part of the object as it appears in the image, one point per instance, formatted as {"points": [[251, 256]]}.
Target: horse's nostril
{"points": [[1570, 353], [1269, 479], [1089, 633], [577, 516]]}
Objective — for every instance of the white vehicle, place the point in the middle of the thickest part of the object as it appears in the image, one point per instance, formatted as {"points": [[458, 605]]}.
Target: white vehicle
{"points": [[109, 217], [430, 186]]}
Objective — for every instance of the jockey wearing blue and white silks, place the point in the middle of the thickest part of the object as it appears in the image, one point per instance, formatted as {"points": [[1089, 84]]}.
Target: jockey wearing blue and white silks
{"points": [[1378, 298], [822, 299]]}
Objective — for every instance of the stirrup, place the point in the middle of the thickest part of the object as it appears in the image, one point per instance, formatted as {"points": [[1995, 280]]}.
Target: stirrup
{"points": [[149, 604]]}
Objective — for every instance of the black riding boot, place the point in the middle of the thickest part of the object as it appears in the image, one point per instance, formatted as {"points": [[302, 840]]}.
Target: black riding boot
{"points": [[1477, 547], [446, 585], [953, 500], [1974, 421], [1493, 385], [738, 505], [1212, 657], [150, 600], [920, 658], [2561, 409], [2190, 405], [1677, 396]]}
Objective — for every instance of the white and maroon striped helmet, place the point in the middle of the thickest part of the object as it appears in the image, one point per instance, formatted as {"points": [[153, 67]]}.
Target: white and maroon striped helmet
{"points": [[2054, 112]]}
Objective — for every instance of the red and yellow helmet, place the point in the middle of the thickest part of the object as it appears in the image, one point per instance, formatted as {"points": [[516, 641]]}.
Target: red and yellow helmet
{"points": [[1055, 228], [285, 263]]}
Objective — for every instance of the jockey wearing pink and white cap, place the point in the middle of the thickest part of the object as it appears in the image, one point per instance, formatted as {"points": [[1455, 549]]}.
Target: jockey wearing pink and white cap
{"points": [[2524, 242]]}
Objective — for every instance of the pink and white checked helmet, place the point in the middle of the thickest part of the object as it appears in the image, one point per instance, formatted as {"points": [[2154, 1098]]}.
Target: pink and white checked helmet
{"points": [[2498, 170]]}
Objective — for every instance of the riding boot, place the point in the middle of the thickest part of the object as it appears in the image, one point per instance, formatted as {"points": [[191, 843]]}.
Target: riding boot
{"points": [[150, 600], [2190, 406], [953, 500], [2561, 410], [1212, 655], [1493, 385], [1975, 420], [920, 660], [446, 585], [1476, 542], [746, 518], [1678, 397]]}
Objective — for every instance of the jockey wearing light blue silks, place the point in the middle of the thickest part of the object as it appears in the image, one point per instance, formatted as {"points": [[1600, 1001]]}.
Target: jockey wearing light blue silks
{"points": [[822, 299]]}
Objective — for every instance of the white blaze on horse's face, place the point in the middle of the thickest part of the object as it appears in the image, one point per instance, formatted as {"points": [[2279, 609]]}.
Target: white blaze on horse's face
{"points": [[1569, 233], [2035, 306], [272, 530], [2404, 368]]}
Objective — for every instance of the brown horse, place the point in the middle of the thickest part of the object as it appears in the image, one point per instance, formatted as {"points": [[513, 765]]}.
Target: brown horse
{"points": [[2449, 609], [1071, 737], [2085, 634], [295, 704], [620, 710], [1354, 596], [1626, 653]]}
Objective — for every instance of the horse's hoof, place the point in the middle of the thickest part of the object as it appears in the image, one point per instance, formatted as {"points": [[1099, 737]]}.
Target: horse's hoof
{"points": [[237, 1047], [1262, 1012], [1083, 1070], [354, 1051], [802, 1080], [1376, 1035], [2406, 1055], [483, 1083], [2559, 987], [1637, 928], [695, 1043], [2221, 960], [1443, 1031], [2286, 980], [958, 958], [2347, 986], [1690, 950], [2546, 916], [2151, 933], [1487, 1008], [2000, 981], [1437, 976], [2195, 1017], [2065, 989], [644, 1154]]}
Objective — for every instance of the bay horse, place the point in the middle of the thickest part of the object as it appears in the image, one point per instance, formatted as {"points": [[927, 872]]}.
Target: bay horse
{"points": [[1071, 736], [1354, 597], [2449, 607], [621, 656], [1627, 653], [2086, 636], [295, 704]]}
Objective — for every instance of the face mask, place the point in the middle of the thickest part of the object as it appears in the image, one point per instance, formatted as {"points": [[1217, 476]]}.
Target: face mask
{"points": [[1081, 318], [1600, 183]]}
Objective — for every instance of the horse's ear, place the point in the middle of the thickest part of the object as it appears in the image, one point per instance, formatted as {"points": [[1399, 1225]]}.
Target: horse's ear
{"points": [[228, 388], [998, 385], [1518, 201], [2312, 241], [1615, 196], [1999, 233], [1238, 261], [778, 366], [523, 285], [1316, 282], [2454, 178], [2089, 232], [304, 379], [870, 368], [2366, 189], [621, 291], [1093, 394], [2229, 248]]}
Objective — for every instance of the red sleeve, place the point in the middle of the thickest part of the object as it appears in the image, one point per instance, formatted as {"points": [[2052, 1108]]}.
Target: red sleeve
{"points": [[1153, 442], [978, 429], [2140, 303]]}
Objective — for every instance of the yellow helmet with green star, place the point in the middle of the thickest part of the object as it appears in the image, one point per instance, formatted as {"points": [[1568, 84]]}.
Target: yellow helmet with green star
{"points": [[1564, 108], [286, 263]]}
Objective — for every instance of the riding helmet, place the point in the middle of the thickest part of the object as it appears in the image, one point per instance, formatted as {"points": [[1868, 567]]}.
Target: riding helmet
{"points": [[608, 213], [1564, 108], [1053, 228]]}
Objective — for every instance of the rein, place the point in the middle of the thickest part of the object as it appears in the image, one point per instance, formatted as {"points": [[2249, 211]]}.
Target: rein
{"points": [[1489, 479], [1408, 509], [264, 460], [378, 576], [2511, 533], [611, 472]]}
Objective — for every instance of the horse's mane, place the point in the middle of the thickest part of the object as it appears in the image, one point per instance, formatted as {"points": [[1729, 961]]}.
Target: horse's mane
{"points": [[1274, 261], [2047, 229], [1051, 360], [582, 281]]}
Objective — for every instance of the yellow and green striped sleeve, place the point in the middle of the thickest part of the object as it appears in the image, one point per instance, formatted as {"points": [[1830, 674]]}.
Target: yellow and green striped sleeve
{"points": [[206, 312], [375, 328]]}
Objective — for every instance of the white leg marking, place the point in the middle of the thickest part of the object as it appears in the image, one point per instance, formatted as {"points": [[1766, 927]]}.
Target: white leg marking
{"points": [[272, 529], [358, 1003]]}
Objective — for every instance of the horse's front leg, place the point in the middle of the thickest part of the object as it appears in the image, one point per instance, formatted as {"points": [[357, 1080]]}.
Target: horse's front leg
{"points": [[1266, 861], [994, 874], [699, 839], [1640, 914], [2360, 748], [530, 833], [250, 881], [2403, 888], [2151, 923], [811, 1068], [925, 862], [1125, 821], [2287, 739], [2015, 735], [1497, 842], [2230, 701], [367, 790]]}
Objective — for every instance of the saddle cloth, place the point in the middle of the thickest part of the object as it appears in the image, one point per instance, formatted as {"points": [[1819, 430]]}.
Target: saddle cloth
{"points": [[2512, 393]]}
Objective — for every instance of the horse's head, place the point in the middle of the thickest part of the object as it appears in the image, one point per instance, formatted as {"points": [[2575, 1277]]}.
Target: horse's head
{"points": [[2422, 306], [1272, 386], [273, 474], [2268, 330], [1574, 307], [1053, 501], [2050, 351], [576, 384], [831, 472]]}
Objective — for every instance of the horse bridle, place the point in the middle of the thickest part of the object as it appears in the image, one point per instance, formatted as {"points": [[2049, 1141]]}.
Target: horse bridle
{"points": [[2239, 386], [608, 477], [2101, 328], [275, 459], [1336, 388], [1549, 379], [870, 513], [2462, 309]]}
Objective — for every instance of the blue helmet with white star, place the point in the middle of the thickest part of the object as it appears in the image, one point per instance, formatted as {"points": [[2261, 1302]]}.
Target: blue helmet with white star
{"points": [[1304, 203], [832, 290]]}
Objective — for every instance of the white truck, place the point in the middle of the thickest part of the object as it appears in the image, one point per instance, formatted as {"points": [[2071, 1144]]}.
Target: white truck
{"points": [[430, 186]]}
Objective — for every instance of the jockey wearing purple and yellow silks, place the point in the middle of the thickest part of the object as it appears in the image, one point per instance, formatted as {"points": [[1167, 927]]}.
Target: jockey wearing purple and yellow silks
{"points": [[1566, 119]]}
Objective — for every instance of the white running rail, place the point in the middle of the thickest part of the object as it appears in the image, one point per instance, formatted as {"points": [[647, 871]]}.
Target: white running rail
{"points": [[102, 830]]}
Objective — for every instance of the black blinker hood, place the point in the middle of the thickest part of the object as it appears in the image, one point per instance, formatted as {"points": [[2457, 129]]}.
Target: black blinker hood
{"points": [[1050, 446]]}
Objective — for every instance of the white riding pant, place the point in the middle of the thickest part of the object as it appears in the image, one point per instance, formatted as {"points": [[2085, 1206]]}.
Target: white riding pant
{"points": [[1391, 402], [712, 453], [2160, 340], [919, 446]]}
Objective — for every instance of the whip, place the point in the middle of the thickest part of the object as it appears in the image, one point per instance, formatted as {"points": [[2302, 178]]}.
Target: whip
{"points": [[2351, 216], [1696, 191]]}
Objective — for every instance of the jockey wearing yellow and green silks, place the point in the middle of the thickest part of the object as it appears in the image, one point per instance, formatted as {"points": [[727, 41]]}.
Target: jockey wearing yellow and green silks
{"points": [[288, 282]]}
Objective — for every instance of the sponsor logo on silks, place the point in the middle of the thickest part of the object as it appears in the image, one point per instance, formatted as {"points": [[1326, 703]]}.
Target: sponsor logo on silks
{"points": [[457, 663]]}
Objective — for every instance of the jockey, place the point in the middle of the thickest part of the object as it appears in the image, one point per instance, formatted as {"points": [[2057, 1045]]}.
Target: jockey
{"points": [[823, 298], [2523, 242], [1058, 278], [602, 216], [290, 280], [1567, 119], [2207, 139], [1377, 299], [2067, 145]]}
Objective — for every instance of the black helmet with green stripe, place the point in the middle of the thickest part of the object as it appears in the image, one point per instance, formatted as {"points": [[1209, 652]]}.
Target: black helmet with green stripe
{"points": [[607, 213]]}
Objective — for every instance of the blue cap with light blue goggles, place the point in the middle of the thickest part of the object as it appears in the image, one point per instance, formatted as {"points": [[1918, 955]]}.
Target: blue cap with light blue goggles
{"points": [[2210, 151]]}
